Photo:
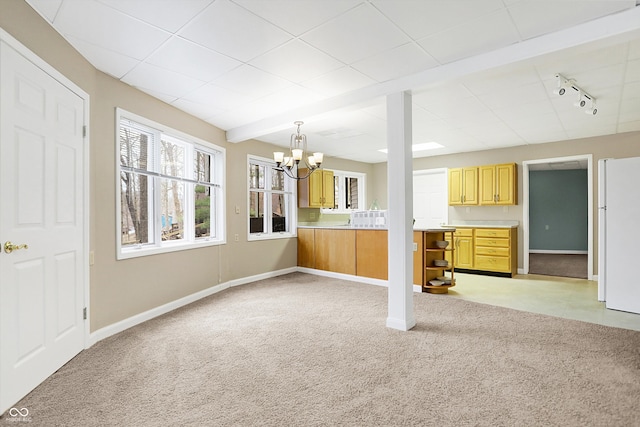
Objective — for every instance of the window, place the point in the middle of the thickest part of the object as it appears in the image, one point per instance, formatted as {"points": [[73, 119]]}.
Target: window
{"points": [[349, 188], [171, 189], [271, 201]]}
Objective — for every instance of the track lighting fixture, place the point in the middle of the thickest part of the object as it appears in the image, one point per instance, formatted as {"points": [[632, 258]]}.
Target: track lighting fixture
{"points": [[584, 99]]}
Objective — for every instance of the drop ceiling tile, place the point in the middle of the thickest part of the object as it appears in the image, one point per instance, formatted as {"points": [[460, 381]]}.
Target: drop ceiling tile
{"points": [[197, 109], [295, 16], [630, 126], [506, 97], [485, 34], [233, 31], [344, 79], [357, 34], [423, 18], [498, 80], [289, 98], [168, 15], [633, 71], [296, 61], [397, 62], [531, 109], [106, 60], [161, 80], [534, 17], [251, 81], [190, 59], [630, 91], [217, 97], [94, 22]]}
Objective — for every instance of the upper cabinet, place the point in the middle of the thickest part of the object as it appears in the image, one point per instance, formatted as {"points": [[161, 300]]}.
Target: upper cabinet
{"points": [[463, 186], [484, 185], [316, 191], [498, 184]]}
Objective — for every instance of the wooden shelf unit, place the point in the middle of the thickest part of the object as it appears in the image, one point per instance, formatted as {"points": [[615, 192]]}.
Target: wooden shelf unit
{"points": [[433, 253]]}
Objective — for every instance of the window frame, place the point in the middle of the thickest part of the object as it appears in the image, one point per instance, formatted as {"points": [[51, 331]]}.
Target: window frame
{"points": [[291, 188], [362, 192], [218, 189]]}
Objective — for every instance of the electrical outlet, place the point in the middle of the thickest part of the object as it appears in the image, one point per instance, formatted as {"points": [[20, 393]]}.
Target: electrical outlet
{"points": [[237, 209], [415, 247], [236, 237]]}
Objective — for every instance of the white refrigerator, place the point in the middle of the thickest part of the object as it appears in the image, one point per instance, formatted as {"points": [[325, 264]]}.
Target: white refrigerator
{"points": [[619, 233]]}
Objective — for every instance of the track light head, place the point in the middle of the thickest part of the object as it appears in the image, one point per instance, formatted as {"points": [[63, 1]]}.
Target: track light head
{"points": [[563, 85]]}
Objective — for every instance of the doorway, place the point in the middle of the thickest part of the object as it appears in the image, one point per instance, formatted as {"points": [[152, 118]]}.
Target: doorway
{"points": [[430, 208], [560, 262], [44, 230]]}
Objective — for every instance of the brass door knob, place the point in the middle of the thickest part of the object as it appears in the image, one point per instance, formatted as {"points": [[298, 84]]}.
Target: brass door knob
{"points": [[10, 247]]}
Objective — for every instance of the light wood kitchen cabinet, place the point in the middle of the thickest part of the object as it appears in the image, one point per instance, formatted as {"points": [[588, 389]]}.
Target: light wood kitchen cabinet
{"points": [[463, 244], [418, 254], [372, 249], [306, 247], [498, 184], [316, 191], [335, 250], [463, 186], [496, 250]]}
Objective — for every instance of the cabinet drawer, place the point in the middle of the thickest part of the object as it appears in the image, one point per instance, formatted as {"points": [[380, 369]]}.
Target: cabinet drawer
{"points": [[493, 232], [492, 263], [491, 250], [498, 243], [463, 232]]}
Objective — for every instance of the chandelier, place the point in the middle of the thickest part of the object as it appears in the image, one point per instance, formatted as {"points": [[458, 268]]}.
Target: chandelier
{"points": [[297, 153]]}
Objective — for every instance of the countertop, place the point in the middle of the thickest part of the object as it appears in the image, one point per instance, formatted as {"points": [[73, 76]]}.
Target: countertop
{"points": [[484, 224], [350, 227], [447, 227]]}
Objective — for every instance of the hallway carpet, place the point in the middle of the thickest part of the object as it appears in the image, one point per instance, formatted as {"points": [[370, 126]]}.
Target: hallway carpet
{"points": [[561, 265]]}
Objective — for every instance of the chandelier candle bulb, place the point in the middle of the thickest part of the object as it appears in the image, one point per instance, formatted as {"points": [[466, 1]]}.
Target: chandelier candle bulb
{"points": [[278, 156]]}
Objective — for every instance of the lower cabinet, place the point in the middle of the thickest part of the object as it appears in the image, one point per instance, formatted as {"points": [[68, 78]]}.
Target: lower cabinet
{"points": [[335, 250], [496, 250], [463, 244], [372, 254]]}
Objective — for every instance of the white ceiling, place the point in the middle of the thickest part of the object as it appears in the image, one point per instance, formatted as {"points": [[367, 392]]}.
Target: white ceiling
{"points": [[481, 72]]}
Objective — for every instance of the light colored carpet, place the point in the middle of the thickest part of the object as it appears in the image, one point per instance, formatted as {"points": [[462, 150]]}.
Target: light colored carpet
{"points": [[302, 350], [561, 265]]}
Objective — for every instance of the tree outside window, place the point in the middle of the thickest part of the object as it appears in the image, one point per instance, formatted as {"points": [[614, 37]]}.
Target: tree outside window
{"points": [[270, 200]]}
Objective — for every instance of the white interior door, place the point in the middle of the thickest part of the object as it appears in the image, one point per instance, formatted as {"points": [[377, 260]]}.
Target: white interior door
{"points": [[430, 198], [622, 234], [41, 188]]}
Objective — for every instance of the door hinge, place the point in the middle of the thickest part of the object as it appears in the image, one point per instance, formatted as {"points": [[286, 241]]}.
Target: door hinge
{"points": [[84, 313], [84, 131]]}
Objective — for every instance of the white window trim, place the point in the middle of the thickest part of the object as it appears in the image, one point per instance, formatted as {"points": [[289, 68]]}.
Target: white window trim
{"points": [[362, 192], [170, 246], [293, 214]]}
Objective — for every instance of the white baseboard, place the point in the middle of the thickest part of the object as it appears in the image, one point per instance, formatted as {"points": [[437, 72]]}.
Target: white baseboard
{"points": [[122, 325], [360, 279]]}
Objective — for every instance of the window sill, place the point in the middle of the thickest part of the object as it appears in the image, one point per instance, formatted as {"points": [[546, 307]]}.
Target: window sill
{"points": [[141, 251], [266, 236]]}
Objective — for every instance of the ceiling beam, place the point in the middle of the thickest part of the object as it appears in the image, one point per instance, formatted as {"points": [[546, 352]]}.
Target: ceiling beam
{"points": [[619, 26]]}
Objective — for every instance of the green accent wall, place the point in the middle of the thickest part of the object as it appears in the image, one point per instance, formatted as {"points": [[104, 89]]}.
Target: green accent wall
{"points": [[558, 210]]}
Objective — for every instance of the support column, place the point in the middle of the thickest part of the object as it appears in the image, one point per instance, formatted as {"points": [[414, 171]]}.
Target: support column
{"points": [[400, 211]]}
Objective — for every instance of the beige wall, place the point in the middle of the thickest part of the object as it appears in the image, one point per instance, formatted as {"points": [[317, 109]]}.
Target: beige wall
{"points": [[121, 289], [613, 146]]}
